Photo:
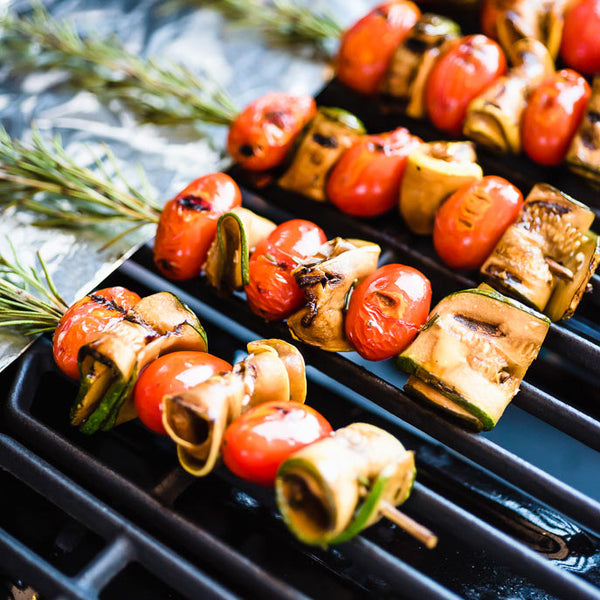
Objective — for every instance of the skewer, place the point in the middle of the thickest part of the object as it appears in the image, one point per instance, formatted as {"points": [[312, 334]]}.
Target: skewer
{"points": [[418, 531]]}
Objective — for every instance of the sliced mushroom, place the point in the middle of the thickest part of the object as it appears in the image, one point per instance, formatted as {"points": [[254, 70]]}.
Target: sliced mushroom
{"points": [[326, 279]]}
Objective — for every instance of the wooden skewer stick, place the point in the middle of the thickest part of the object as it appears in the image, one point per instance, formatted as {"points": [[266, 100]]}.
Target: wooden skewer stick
{"points": [[418, 531]]}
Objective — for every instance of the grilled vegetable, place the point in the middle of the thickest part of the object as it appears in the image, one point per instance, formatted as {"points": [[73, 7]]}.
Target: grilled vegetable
{"points": [[332, 131], [465, 70], [171, 374], [238, 233], [472, 354], [367, 47], [579, 47], [261, 136], [326, 279], [109, 365], [330, 491], [433, 172], [188, 224], [471, 222], [196, 419], [86, 319], [513, 20], [494, 117], [366, 180], [583, 156], [386, 311], [272, 291], [257, 442], [548, 243], [403, 88], [553, 114]]}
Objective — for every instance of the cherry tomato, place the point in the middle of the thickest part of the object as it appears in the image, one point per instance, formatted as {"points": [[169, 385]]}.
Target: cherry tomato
{"points": [[470, 65], [273, 292], [171, 374], [256, 443], [366, 180], [490, 11], [579, 47], [188, 224], [85, 320], [263, 133], [552, 116], [471, 222], [366, 49], [386, 311]]}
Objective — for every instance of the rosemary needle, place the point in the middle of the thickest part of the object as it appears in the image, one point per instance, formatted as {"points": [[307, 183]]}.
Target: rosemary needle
{"points": [[19, 308], [282, 21], [42, 178], [160, 93]]}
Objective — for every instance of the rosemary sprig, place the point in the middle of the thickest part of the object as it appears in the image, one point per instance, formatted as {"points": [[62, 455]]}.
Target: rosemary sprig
{"points": [[19, 308], [44, 179], [282, 21], [164, 94]]}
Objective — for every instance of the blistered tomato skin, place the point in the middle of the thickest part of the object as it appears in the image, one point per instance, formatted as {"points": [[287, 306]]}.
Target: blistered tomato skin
{"points": [[471, 65], [387, 310], [85, 320], [579, 47], [366, 49], [188, 225], [552, 116], [471, 222], [171, 374], [273, 292], [366, 180], [256, 443], [264, 132]]}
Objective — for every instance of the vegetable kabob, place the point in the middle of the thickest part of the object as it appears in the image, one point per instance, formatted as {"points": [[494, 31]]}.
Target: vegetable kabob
{"points": [[195, 387], [348, 302]]}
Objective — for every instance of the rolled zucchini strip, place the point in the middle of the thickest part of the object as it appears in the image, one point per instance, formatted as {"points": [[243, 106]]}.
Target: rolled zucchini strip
{"points": [[109, 365], [433, 172], [331, 490], [197, 418], [542, 20], [403, 88], [583, 156], [472, 354], [494, 118], [326, 278], [238, 233], [329, 134], [549, 244]]}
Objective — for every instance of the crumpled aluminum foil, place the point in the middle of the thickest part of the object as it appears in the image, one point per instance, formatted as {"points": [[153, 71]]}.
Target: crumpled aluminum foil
{"points": [[202, 39]]}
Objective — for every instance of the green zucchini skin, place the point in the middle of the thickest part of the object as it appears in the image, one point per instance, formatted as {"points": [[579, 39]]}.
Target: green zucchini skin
{"points": [[474, 351], [343, 480]]}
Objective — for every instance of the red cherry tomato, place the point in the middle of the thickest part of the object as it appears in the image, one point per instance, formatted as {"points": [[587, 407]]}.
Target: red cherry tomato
{"points": [[386, 311], [256, 443], [171, 374], [263, 133], [471, 222], [461, 74], [85, 320], [579, 47], [490, 11], [368, 46], [273, 292], [188, 224], [552, 116], [366, 180]]}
